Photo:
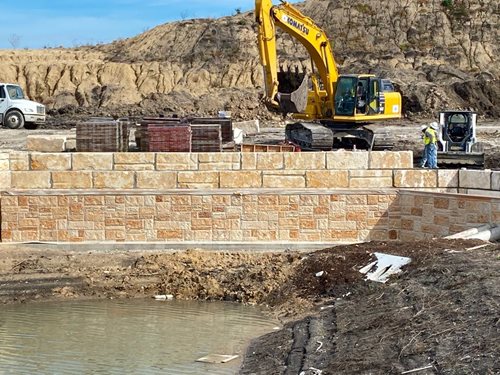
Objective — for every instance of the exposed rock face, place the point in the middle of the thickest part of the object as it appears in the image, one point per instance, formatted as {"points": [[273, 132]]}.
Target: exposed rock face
{"points": [[440, 54]]}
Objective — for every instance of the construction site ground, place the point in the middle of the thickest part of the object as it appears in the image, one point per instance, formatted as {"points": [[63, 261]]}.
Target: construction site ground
{"points": [[441, 313], [439, 316], [402, 135]]}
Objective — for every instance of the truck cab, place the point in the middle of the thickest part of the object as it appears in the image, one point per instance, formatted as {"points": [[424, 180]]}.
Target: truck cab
{"points": [[16, 110]]}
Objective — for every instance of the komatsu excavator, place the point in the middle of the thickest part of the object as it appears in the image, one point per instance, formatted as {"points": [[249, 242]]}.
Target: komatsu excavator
{"points": [[336, 107]]}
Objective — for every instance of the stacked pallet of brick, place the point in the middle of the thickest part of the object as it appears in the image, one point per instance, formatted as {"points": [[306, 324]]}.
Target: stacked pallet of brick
{"points": [[102, 134], [226, 125], [163, 135], [206, 138]]}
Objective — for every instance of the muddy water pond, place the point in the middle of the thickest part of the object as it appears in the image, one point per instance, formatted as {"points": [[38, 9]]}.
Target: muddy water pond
{"points": [[125, 336]]}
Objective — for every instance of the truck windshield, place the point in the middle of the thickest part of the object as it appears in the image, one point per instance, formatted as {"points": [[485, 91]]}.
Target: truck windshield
{"points": [[15, 92]]}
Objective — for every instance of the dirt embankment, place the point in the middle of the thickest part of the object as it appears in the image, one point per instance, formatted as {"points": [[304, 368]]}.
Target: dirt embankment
{"points": [[440, 54], [441, 312]]}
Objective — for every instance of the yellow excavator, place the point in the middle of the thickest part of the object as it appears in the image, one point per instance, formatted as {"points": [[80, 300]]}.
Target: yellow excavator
{"points": [[337, 107]]}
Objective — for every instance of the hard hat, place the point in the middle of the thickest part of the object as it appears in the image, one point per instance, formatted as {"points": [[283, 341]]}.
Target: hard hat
{"points": [[423, 127], [434, 125]]}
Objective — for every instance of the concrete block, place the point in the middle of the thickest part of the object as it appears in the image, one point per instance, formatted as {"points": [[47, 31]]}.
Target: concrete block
{"points": [[70, 145], [198, 180], [92, 161], [30, 180], [46, 143], [327, 179], [50, 162], [19, 161], [241, 179], [114, 180], [176, 161], [305, 160], [347, 160], [248, 127], [391, 160], [5, 180], [495, 180], [4, 161], [472, 179], [156, 180], [415, 178], [72, 180], [447, 178]]}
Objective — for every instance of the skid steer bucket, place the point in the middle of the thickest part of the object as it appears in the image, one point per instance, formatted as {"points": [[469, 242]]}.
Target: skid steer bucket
{"points": [[292, 91]]}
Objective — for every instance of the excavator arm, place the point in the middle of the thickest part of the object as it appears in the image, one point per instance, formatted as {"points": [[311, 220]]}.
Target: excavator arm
{"points": [[316, 42]]}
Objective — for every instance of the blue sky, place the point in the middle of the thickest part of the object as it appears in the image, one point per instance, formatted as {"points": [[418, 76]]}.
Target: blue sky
{"points": [[70, 23]]}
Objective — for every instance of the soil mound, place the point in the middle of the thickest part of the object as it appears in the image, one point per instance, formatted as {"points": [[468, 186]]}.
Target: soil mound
{"points": [[440, 54]]}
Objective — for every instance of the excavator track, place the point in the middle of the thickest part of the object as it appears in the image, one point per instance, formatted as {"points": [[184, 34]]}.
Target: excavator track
{"points": [[310, 136]]}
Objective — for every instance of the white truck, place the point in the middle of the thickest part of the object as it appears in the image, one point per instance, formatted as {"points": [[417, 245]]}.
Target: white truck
{"points": [[16, 111]]}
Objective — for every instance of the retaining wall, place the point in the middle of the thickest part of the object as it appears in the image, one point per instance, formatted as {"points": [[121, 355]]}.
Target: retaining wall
{"points": [[325, 196]]}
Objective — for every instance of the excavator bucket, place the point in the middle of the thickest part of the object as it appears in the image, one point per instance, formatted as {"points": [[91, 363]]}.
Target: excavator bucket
{"points": [[293, 89]]}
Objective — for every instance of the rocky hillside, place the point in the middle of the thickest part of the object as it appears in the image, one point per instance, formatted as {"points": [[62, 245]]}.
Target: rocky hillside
{"points": [[440, 53]]}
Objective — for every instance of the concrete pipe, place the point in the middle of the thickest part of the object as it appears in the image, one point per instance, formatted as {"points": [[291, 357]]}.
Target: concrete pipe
{"points": [[492, 234], [470, 232]]}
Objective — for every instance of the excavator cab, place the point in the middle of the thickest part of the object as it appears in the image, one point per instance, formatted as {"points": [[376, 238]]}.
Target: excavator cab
{"points": [[359, 95]]}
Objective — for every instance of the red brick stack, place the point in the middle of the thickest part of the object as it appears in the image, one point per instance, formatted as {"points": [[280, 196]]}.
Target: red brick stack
{"points": [[163, 135]]}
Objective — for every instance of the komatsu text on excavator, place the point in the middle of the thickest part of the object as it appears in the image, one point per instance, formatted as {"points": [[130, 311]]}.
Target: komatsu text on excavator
{"points": [[338, 106]]}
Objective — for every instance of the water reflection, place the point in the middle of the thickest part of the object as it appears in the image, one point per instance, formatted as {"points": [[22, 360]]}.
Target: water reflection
{"points": [[124, 337]]}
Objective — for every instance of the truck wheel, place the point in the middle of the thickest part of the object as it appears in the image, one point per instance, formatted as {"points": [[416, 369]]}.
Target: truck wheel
{"points": [[14, 119]]}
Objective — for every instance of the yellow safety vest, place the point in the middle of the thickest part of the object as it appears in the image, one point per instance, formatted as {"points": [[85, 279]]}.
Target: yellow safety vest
{"points": [[430, 136]]}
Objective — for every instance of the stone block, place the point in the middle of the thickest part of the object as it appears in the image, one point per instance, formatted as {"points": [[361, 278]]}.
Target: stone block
{"points": [[134, 158], [248, 127], [248, 160], [92, 161], [219, 161], [414, 178], [156, 180], [305, 160], [198, 180], [114, 180], [50, 162], [391, 160], [368, 179], [347, 160], [327, 179], [72, 180], [19, 161], [5, 180], [472, 179], [495, 180], [30, 180], [283, 181], [241, 179], [177, 161], [447, 178], [4, 161], [46, 143]]}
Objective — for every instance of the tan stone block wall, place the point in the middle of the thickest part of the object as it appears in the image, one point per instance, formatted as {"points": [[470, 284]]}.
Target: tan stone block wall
{"points": [[31, 180], [429, 215], [72, 180], [391, 160], [176, 161], [472, 179], [5, 180], [114, 180], [415, 178], [46, 143], [189, 217]]}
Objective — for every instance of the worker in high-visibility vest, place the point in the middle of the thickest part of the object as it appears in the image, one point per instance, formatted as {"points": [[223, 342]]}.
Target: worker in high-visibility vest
{"points": [[430, 142]]}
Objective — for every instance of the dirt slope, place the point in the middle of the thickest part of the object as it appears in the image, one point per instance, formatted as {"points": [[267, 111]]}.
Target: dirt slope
{"points": [[440, 54]]}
